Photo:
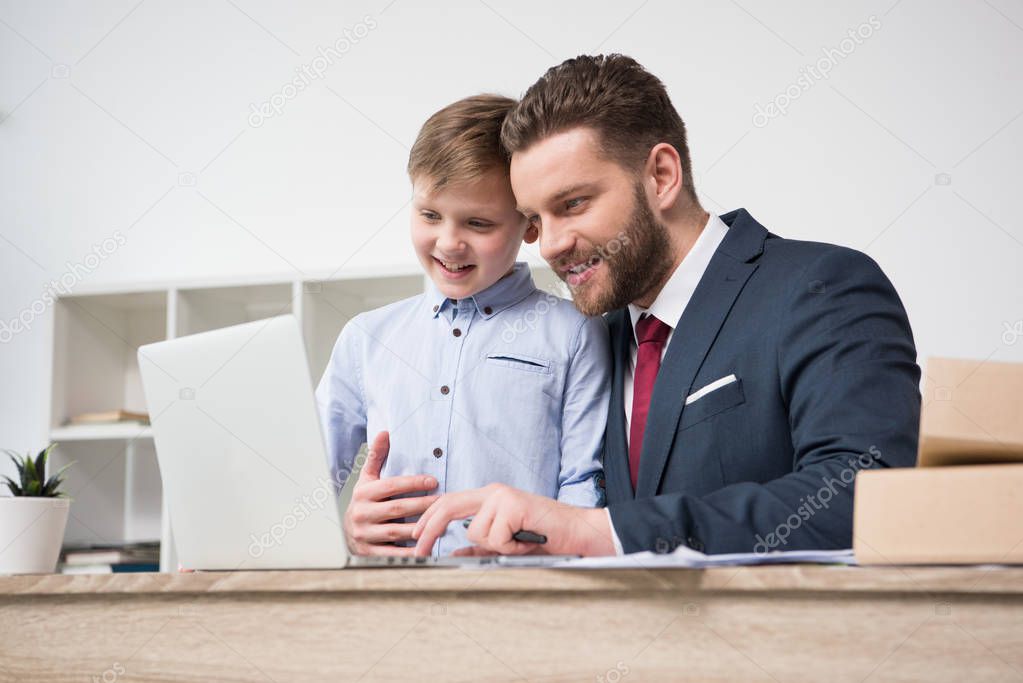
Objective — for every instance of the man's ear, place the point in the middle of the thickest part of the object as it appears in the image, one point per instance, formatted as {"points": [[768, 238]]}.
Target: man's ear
{"points": [[532, 234], [664, 171]]}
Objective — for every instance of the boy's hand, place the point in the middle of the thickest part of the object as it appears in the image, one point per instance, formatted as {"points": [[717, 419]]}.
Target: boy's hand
{"points": [[498, 511], [367, 524]]}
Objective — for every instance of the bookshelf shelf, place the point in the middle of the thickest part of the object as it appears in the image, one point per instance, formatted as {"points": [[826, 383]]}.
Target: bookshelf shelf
{"points": [[101, 432]]}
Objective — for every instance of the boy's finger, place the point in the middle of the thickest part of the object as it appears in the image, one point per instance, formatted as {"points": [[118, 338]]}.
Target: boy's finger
{"points": [[375, 459], [398, 508], [382, 489], [388, 533], [385, 550]]}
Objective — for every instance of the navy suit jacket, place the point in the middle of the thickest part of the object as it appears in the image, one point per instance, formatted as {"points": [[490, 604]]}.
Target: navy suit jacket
{"points": [[826, 384]]}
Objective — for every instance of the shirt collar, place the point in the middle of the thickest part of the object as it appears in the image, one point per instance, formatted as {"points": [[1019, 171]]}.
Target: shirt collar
{"points": [[673, 298], [507, 291]]}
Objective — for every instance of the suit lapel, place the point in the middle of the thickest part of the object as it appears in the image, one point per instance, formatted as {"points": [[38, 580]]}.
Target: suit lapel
{"points": [[616, 449], [695, 332]]}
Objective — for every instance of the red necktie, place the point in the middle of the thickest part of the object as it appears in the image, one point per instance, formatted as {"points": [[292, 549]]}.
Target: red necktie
{"points": [[651, 335]]}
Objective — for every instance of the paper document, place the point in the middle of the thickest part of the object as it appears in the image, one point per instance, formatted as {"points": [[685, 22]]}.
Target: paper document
{"points": [[687, 557]]}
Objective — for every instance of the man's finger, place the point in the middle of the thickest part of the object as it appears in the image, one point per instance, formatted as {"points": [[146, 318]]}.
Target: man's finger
{"points": [[500, 537], [449, 507], [399, 508], [479, 529], [473, 551], [375, 459], [382, 489]]}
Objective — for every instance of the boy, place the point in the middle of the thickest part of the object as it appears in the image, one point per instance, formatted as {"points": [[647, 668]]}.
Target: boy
{"points": [[484, 378]]}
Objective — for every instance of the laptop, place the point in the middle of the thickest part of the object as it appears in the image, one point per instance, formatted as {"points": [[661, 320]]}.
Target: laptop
{"points": [[242, 457]]}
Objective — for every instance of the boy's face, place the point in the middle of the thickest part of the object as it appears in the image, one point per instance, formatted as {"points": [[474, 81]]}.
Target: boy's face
{"points": [[467, 235]]}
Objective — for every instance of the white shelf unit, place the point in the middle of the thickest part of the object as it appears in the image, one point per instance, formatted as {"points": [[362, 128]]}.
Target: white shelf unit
{"points": [[115, 482]]}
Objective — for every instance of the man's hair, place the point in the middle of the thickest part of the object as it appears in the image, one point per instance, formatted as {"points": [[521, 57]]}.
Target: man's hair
{"points": [[460, 142], [625, 104]]}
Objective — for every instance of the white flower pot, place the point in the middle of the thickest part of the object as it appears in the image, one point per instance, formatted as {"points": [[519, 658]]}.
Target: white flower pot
{"points": [[31, 533]]}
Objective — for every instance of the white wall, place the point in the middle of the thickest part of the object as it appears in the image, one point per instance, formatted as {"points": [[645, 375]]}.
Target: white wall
{"points": [[110, 110]]}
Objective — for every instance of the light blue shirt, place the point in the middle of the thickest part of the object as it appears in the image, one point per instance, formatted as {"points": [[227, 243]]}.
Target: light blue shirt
{"points": [[510, 385]]}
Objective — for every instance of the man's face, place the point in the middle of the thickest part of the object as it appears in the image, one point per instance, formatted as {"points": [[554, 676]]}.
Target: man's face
{"points": [[467, 236], [597, 230]]}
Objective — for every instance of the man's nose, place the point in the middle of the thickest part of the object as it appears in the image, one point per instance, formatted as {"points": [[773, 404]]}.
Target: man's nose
{"points": [[554, 242]]}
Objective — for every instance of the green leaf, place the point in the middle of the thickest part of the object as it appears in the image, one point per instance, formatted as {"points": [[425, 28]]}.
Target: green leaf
{"points": [[52, 486], [16, 459], [32, 474], [41, 462], [15, 489]]}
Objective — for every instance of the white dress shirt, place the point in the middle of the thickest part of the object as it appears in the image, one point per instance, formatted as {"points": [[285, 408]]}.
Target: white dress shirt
{"points": [[668, 307]]}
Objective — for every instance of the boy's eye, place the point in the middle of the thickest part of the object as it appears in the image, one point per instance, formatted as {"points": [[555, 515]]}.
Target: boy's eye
{"points": [[479, 224], [430, 215], [533, 221]]}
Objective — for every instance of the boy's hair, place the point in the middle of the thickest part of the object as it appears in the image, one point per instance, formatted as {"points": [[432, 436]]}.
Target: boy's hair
{"points": [[460, 142], [625, 104]]}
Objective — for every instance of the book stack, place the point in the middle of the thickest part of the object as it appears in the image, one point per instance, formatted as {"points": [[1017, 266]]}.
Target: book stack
{"points": [[109, 417], [963, 502], [106, 559]]}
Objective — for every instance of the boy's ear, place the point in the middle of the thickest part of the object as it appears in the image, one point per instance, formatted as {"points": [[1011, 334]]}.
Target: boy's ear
{"points": [[532, 234]]}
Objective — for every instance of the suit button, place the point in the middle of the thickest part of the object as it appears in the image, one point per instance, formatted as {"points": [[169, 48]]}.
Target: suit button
{"points": [[437, 452], [695, 544], [600, 482]]}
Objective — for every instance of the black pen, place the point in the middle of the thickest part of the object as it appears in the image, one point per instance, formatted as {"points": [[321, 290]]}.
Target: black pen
{"points": [[523, 536]]}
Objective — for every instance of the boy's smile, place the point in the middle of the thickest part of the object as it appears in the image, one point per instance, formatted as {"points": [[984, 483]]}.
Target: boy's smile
{"points": [[467, 236], [453, 270]]}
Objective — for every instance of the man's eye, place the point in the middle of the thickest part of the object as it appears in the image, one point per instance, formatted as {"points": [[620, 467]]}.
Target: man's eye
{"points": [[574, 203]]}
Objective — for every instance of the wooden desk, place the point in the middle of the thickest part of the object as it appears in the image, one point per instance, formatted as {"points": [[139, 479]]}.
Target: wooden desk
{"points": [[780, 623]]}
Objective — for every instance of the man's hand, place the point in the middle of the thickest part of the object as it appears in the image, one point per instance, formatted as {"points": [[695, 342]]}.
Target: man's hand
{"points": [[368, 526], [499, 511]]}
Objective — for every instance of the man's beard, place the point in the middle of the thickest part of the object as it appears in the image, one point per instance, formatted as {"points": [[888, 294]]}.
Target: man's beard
{"points": [[641, 260]]}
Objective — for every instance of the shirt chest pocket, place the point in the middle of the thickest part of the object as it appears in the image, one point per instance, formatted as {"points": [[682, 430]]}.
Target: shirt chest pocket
{"points": [[712, 403], [515, 401], [521, 377], [518, 361]]}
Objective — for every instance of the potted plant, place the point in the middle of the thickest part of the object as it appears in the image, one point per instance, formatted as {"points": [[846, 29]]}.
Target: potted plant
{"points": [[33, 517]]}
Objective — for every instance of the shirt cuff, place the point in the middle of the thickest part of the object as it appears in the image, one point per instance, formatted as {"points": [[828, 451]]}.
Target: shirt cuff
{"points": [[614, 536]]}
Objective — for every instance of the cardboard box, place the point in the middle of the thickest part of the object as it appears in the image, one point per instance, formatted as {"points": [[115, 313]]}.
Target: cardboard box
{"points": [[972, 413], [963, 503], [972, 514]]}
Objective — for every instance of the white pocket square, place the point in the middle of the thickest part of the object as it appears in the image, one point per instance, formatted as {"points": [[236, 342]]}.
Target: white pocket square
{"points": [[713, 386]]}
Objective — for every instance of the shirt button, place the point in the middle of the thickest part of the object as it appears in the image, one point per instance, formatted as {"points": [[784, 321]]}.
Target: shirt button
{"points": [[444, 390], [457, 332], [488, 310], [437, 452], [436, 308]]}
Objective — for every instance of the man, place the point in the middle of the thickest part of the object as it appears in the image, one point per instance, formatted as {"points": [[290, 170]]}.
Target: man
{"points": [[753, 375]]}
